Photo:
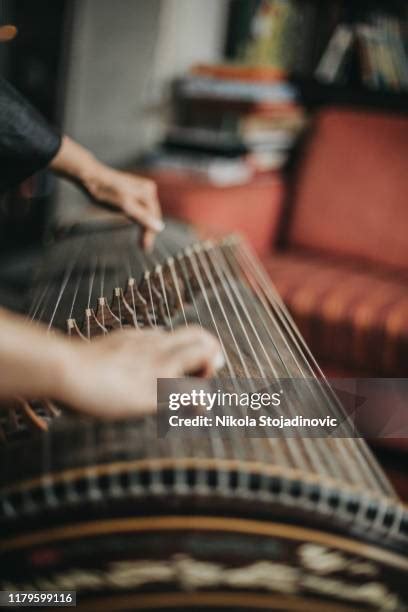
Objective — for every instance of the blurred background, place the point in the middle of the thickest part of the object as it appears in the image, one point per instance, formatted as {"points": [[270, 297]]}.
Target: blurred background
{"points": [[285, 120]]}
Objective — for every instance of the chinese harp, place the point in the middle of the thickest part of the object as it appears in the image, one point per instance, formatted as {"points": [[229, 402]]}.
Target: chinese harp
{"points": [[136, 522]]}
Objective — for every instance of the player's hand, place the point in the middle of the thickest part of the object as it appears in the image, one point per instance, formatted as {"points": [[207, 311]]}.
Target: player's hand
{"points": [[133, 195], [116, 376]]}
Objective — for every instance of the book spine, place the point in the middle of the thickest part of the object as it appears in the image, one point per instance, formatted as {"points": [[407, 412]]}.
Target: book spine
{"points": [[386, 57], [365, 61], [365, 36], [379, 58], [202, 87], [330, 64], [400, 57]]}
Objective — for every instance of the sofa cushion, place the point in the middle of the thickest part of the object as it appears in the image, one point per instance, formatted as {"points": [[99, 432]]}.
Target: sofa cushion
{"points": [[351, 194], [356, 318], [252, 208]]}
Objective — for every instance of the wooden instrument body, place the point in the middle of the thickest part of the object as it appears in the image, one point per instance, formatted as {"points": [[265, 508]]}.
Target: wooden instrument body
{"points": [[150, 536]]}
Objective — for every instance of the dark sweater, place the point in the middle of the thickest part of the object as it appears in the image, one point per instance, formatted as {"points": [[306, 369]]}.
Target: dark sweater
{"points": [[27, 142]]}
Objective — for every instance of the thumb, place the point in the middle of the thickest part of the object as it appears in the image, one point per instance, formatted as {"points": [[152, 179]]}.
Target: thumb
{"points": [[195, 351], [137, 213]]}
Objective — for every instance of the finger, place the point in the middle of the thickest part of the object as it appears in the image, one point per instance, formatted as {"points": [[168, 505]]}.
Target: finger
{"points": [[149, 199], [148, 239], [126, 337], [150, 194], [138, 213], [146, 192], [196, 359], [191, 350], [152, 204], [188, 335]]}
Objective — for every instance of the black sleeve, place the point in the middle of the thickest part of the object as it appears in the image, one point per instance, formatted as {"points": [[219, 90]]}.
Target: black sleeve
{"points": [[27, 141]]}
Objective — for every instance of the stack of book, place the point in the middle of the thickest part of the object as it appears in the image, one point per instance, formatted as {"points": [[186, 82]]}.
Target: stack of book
{"points": [[382, 48], [384, 58], [230, 122]]}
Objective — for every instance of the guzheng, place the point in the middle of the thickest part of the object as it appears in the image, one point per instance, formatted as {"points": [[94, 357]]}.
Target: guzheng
{"points": [[132, 521]]}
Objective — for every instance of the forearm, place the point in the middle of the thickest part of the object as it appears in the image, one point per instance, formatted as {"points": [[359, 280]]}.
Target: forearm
{"points": [[75, 162], [134, 196], [33, 363]]}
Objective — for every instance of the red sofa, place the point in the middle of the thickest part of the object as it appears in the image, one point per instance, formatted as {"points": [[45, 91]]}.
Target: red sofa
{"points": [[342, 261]]}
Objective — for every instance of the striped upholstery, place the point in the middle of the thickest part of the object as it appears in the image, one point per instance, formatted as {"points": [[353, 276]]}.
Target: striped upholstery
{"points": [[354, 318]]}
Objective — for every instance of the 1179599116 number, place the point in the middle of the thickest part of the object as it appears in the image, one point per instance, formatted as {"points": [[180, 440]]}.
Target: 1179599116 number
{"points": [[37, 598]]}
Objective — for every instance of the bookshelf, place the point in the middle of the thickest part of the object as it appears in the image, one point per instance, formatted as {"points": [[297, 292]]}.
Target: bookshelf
{"points": [[313, 24], [314, 94]]}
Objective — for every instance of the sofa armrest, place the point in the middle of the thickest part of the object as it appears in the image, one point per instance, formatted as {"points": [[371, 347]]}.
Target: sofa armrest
{"points": [[252, 209]]}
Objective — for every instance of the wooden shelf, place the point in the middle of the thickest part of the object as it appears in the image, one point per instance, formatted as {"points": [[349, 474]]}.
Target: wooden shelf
{"points": [[314, 94]]}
